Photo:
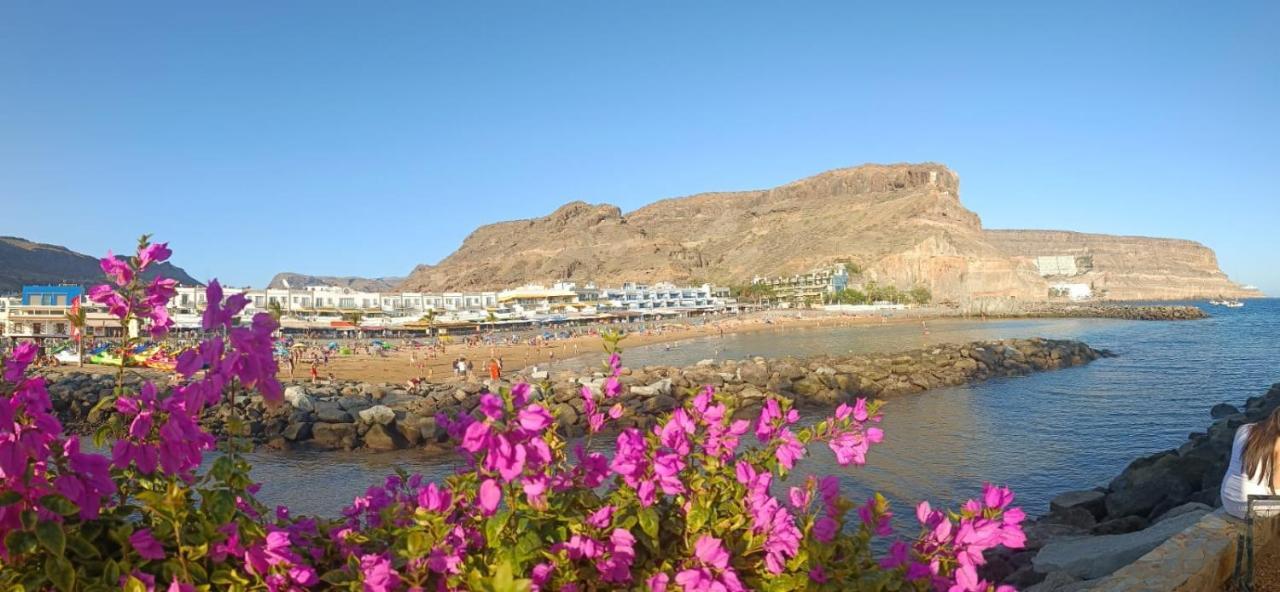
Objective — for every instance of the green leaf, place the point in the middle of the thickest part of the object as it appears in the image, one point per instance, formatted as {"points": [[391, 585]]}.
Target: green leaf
{"points": [[493, 527], [9, 497], [59, 505], [416, 544], [20, 542], [51, 537], [60, 572], [28, 518], [649, 522], [336, 577], [78, 546]]}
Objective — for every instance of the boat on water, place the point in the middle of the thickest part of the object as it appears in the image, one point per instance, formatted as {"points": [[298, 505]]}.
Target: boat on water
{"points": [[1218, 302], [1233, 304]]}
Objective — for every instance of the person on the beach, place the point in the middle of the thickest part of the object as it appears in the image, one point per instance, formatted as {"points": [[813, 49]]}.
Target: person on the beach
{"points": [[495, 370], [1252, 470], [315, 373]]}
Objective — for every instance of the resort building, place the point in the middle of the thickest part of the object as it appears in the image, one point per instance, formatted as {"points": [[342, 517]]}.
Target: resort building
{"points": [[807, 288], [41, 313], [537, 299], [332, 306]]}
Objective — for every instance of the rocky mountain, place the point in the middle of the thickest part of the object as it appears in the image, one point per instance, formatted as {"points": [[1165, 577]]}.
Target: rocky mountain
{"points": [[902, 224], [24, 262], [1126, 267], [298, 280]]}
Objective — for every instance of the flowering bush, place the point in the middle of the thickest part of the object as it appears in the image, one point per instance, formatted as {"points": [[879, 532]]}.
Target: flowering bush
{"points": [[687, 505]]}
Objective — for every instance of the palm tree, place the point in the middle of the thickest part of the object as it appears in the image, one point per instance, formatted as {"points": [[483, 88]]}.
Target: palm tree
{"points": [[275, 310], [490, 317], [76, 318], [353, 317], [430, 320]]}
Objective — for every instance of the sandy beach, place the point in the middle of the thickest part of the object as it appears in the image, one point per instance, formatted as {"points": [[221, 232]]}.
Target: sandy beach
{"points": [[395, 366]]}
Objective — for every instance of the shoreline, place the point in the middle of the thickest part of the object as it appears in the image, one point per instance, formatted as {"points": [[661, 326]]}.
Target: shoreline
{"points": [[519, 359], [394, 367]]}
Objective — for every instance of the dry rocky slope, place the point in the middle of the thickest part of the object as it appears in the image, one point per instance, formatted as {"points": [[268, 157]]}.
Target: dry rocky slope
{"points": [[903, 224], [25, 262], [298, 281], [1128, 267]]}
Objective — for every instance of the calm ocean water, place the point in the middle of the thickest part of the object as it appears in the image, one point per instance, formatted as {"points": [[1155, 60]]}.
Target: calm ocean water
{"points": [[1040, 434]]}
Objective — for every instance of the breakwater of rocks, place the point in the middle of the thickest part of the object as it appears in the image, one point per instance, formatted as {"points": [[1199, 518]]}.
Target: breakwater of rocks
{"points": [[1091, 533], [389, 417], [1128, 312]]}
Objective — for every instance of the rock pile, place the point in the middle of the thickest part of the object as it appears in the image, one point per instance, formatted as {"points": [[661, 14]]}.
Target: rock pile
{"points": [[1128, 312], [383, 417], [1089, 534]]}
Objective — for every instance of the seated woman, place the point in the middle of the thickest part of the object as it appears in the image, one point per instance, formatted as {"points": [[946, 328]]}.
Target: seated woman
{"points": [[1253, 465]]}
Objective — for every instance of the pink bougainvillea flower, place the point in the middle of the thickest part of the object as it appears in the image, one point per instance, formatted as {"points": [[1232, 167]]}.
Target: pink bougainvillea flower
{"points": [[116, 268], [16, 364], [377, 574], [153, 253], [489, 496], [146, 545]]}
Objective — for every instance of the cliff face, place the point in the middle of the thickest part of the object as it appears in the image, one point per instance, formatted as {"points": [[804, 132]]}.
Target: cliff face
{"points": [[299, 280], [1127, 267], [24, 262], [902, 224]]}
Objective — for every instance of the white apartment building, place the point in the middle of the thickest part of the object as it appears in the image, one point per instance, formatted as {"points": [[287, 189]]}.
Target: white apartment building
{"points": [[321, 303], [633, 296]]}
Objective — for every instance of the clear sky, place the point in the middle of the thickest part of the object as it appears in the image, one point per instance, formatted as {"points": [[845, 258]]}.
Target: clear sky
{"points": [[362, 138]]}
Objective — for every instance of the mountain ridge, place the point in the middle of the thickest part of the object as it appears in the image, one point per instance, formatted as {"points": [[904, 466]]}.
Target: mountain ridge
{"points": [[363, 284], [903, 224], [25, 262]]}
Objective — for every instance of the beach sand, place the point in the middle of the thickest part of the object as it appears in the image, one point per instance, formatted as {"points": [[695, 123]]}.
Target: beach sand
{"points": [[395, 366]]}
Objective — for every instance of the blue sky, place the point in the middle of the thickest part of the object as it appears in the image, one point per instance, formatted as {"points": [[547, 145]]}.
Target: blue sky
{"points": [[364, 138]]}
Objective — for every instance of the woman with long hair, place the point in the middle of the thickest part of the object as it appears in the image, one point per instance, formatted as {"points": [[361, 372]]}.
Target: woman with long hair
{"points": [[1253, 469]]}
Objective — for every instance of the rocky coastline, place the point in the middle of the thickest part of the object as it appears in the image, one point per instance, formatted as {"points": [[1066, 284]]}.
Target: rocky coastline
{"points": [[1089, 534], [380, 417]]}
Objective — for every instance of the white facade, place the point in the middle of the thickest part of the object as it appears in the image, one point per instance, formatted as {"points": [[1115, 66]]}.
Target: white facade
{"points": [[321, 303], [660, 296], [1072, 291]]}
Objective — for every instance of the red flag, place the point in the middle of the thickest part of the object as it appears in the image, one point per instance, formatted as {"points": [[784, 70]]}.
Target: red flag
{"points": [[75, 312]]}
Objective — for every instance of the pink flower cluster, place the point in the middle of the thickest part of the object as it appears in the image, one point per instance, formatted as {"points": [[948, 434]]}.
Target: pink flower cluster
{"points": [[36, 460], [126, 298], [982, 525]]}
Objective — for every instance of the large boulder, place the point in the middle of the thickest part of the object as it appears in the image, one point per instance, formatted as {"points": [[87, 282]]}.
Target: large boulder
{"points": [[756, 374], [330, 412], [297, 432], [1089, 499], [1092, 557], [1149, 481], [333, 435], [1222, 410], [378, 414], [298, 397], [383, 437]]}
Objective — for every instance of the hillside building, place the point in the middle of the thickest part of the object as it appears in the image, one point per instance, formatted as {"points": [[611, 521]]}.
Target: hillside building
{"points": [[806, 288]]}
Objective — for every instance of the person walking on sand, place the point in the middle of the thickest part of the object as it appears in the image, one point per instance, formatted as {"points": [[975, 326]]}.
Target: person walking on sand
{"points": [[315, 373], [495, 370]]}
